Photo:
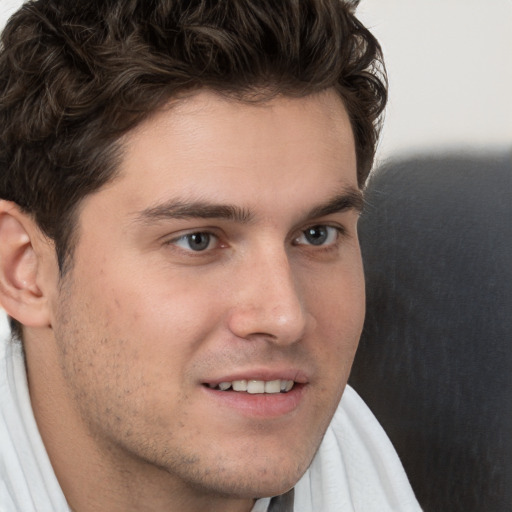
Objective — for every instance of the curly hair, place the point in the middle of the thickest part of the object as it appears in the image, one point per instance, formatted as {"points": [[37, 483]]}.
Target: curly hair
{"points": [[75, 75]]}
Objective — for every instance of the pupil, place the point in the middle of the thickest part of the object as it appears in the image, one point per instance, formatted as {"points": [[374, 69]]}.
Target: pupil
{"points": [[199, 241], [316, 235]]}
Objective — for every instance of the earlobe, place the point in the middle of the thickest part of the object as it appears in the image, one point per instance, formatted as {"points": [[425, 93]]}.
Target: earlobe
{"points": [[20, 293]]}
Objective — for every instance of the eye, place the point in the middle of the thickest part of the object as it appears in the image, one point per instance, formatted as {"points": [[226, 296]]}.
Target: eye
{"points": [[197, 242], [318, 235]]}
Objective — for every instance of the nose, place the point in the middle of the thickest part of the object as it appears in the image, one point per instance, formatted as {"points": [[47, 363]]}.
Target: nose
{"points": [[267, 302]]}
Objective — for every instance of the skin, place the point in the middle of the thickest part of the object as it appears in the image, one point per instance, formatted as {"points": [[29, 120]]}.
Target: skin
{"points": [[120, 352]]}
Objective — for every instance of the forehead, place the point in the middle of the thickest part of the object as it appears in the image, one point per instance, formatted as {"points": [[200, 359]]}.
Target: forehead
{"points": [[210, 147]]}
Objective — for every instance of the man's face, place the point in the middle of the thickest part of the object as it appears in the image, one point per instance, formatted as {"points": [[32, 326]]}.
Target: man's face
{"points": [[224, 255]]}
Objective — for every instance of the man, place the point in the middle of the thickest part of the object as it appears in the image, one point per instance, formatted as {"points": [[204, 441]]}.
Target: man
{"points": [[180, 184]]}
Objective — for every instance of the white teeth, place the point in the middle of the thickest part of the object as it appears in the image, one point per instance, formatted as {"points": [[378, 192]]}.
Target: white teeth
{"points": [[273, 386], [286, 385], [256, 386], [240, 385]]}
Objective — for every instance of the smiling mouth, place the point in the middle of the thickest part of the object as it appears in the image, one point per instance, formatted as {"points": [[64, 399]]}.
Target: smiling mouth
{"points": [[255, 386]]}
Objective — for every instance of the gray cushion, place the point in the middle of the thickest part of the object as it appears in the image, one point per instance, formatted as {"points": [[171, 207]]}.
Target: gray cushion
{"points": [[435, 359]]}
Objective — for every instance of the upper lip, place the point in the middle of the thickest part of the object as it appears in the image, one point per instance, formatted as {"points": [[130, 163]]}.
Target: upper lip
{"points": [[297, 375]]}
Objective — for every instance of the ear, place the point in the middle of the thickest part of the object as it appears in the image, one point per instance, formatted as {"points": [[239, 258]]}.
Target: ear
{"points": [[22, 251]]}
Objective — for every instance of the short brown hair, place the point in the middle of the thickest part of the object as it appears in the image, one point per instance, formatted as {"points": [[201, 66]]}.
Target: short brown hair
{"points": [[75, 75]]}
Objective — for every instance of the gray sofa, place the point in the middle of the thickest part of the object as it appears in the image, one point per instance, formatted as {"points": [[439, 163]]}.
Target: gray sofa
{"points": [[435, 359]]}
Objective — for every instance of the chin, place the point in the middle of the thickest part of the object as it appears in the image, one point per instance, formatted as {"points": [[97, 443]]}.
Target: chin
{"points": [[260, 480], [259, 486]]}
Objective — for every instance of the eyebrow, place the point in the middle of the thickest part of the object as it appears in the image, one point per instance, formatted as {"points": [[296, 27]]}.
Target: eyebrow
{"points": [[175, 209], [349, 199]]}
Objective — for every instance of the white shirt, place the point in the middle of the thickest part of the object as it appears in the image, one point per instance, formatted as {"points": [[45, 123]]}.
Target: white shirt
{"points": [[355, 468]]}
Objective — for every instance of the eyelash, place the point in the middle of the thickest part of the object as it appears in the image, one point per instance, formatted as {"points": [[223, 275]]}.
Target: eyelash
{"points": [[336, 231], [188, 236]]}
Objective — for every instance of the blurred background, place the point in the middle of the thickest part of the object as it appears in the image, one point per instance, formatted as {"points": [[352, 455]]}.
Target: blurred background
{"points": [[450, 73]]}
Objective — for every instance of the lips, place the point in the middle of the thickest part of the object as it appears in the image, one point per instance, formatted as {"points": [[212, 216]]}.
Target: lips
{"points": [[255, 386], [258, 393]]}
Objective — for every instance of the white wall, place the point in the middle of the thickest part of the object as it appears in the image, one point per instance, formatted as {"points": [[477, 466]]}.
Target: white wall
{"points": [[7, 7], [450, 72]]}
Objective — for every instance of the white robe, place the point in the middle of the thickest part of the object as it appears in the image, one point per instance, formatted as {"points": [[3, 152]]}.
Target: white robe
{"points": [[355, 469]]}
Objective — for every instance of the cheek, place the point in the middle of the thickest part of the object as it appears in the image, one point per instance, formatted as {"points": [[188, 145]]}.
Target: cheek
{"points": [[338, 308], [163, 323], [337, 300]]}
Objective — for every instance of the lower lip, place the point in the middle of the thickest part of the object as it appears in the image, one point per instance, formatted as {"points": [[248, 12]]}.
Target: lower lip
{"points": [[259, 405]]}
